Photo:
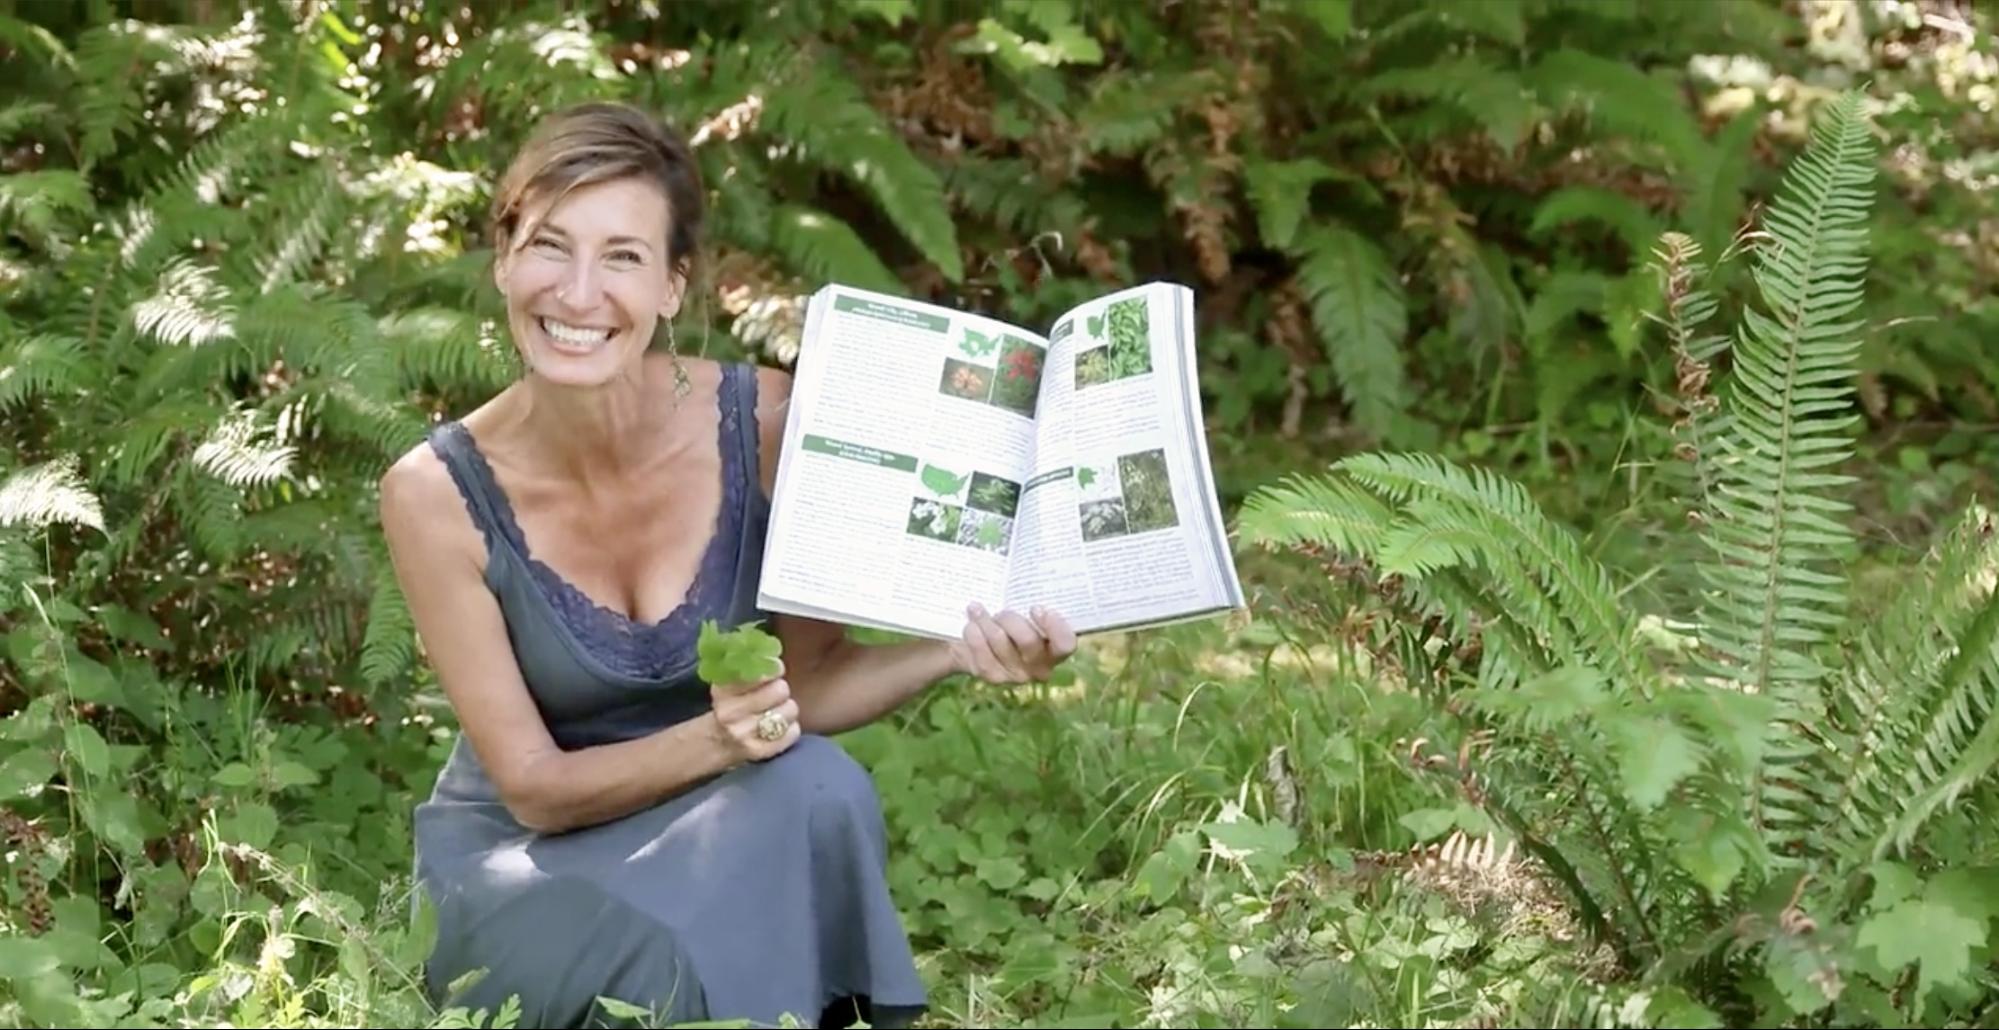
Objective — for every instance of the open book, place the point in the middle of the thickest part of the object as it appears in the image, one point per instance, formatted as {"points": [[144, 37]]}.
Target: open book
{"points": [[933, 458]]}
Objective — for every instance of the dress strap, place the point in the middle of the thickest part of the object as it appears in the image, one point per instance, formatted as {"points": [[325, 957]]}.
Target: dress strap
{"points": [[453, 444], [748, 440]]}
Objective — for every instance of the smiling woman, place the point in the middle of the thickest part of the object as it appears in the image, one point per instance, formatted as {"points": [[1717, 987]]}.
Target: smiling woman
{"points": [[607, 825]]}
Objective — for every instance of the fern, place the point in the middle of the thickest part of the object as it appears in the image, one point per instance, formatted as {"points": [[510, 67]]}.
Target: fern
{"points": [[39, 368], [49, 493], [1361, 313], [827, 248], [1281, 192], [1775, 593], [1622, 98], [1623, 215], [387, 648], [1914, 717], [1494, 98], [823, 114], [1127, 112], [45, 206], [1685, 784]]}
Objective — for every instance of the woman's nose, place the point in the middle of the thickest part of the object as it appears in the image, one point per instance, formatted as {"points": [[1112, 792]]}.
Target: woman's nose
{"points": [[579, 288]]}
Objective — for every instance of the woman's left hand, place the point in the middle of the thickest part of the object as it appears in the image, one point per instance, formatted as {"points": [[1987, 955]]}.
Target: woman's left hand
{"points": [[1011, 647]]}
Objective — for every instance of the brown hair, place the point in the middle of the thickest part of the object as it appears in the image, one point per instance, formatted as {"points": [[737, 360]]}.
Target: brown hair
{"points": [[598, 142]]}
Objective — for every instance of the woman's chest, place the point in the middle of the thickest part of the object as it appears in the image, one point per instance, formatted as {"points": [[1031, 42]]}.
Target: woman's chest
{"points": [[638, 553]]}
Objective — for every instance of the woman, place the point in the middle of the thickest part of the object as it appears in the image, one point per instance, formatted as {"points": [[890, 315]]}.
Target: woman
{"points": [[607, 825]]}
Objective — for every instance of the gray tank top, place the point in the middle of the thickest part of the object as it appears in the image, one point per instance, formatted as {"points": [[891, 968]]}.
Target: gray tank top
{"points": [[597, 675]]}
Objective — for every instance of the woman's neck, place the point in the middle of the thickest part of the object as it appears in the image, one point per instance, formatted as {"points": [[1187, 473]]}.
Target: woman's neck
{"points": [[593, 435]]}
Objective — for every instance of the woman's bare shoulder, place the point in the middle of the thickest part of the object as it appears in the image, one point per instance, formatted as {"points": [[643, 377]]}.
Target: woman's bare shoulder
{"points": [[419, 505]]}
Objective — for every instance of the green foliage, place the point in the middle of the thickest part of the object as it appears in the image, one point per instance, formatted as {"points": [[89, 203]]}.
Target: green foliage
{"points": [[243, 267], [743, 656], [1716, 795]]}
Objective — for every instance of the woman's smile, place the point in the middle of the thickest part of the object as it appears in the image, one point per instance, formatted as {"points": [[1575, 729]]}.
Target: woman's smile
{"points": [[574, 339]]}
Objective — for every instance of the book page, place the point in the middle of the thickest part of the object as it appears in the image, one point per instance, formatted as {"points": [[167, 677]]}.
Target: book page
{"points": [[911, 430], [1120, 524]]}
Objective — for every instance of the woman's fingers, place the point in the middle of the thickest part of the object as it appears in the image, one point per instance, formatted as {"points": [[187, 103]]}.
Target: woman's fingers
{"points": [[740, 714], [1056, 629], [996, 640], [1025, 641], [1011, 647]]}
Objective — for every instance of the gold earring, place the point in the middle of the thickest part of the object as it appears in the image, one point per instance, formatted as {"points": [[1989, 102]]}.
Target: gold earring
{"points": [[682, 385]]}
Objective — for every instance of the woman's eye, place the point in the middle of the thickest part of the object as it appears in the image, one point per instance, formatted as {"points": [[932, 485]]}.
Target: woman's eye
{"points": [[627, 256]]}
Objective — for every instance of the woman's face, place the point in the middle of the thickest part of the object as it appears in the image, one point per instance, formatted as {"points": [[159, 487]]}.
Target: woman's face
{"points": [[589, 281]]}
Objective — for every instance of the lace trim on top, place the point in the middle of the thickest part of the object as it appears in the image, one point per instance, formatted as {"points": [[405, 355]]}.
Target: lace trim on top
{"points": [[641, 650]]}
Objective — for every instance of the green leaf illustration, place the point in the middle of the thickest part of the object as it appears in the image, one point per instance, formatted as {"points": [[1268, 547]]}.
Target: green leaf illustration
{"points": [[943, 482], [742, 656], [1096, 324], [1085, 475]]}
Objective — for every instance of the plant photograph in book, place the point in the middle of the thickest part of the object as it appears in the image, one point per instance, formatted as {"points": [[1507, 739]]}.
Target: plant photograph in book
{"points": [[1017, 384], [1117, 342], [966, 381], [993, 494], [985, 531], [935, 519], [1148, 492], [1103, 519]]}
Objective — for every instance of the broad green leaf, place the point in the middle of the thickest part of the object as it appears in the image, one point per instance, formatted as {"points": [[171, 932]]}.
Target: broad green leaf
{"points": [[235, 774], [1429, 823], [1041, 888], [416, 940], [1159, 879], [83, 743], [1003, 873], [1657, 755], [1893, 882], [115, 817], [744, 656], [24, 771], [288, 773], [253, 823], [1711, 858], [1806, 974], [1261, 845], [23, 957], [1935, 937], [1972, 892]]}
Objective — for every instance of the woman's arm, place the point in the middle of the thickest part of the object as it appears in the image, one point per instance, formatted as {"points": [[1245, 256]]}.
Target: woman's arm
{"points": [[841, 684], [437, 560]]}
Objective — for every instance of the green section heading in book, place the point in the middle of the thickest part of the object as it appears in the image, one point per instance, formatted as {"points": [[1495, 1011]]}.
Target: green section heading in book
{"points": [[861, 453], [1065, 472], [891, 313]]}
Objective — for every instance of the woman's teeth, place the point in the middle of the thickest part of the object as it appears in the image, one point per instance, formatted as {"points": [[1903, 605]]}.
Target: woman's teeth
{"points": [[574, 335]]}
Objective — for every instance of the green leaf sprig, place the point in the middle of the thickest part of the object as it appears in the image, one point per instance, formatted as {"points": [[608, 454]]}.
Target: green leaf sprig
{"points": [[742, 656]]}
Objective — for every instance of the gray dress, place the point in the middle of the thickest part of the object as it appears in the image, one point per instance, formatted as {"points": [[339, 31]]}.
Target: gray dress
{"points": [[758, 893]]}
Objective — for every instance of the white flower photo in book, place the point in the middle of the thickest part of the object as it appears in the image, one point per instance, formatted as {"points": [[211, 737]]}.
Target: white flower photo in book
{"points": [[935, 457]]}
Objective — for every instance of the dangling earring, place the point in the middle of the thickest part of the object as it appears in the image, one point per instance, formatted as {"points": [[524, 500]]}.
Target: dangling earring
{"points": [[682, 386]]}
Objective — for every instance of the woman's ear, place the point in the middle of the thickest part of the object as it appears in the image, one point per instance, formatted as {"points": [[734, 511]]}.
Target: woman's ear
{"points": [[676, 290]]}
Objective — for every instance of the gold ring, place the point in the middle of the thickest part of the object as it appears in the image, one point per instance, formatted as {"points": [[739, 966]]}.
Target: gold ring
{"points": [[771, 726]]}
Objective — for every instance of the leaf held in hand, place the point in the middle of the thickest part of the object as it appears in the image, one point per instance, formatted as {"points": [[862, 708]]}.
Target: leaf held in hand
{"points": [[744, 656]]}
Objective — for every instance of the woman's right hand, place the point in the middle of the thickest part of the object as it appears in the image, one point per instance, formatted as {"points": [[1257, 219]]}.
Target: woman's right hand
{"points": [[739, 714]]}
